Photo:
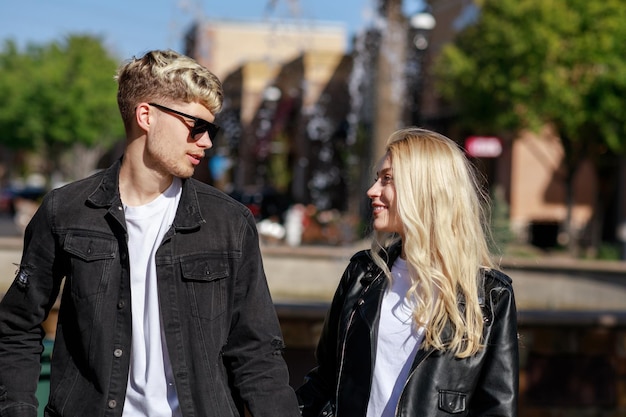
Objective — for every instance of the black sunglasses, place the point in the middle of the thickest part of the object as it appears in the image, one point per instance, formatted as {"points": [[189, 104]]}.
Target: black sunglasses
{"points": [[199, 125]]}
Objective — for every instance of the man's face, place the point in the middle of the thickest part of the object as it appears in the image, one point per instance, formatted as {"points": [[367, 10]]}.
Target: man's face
{"points": [[170, 147]]}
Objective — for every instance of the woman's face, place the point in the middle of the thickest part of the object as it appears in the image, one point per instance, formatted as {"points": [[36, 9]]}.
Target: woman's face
{"points": [[383, 196]]}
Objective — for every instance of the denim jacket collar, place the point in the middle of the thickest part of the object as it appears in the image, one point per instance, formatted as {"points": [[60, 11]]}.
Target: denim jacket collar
{"points": [[107, 193], [188, 215]]}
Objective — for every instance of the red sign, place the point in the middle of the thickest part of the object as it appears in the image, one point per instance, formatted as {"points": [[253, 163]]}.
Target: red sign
{"points": [[483, 146]]}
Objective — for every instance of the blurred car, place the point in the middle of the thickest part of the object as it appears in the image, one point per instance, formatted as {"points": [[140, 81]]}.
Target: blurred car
{"points": [[6, 202], [264, 203], [10, 195]]}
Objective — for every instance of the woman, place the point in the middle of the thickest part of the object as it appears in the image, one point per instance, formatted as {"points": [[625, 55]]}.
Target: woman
{"points": [[422, 324]]}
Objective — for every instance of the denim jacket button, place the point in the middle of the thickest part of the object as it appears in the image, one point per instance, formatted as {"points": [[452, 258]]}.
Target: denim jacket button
{"points": [[121, 304], [117, 353], [112, 403]]}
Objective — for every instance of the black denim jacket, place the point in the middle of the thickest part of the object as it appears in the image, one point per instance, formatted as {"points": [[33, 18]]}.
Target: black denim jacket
{"points": [[438, 384], [220, 324]]}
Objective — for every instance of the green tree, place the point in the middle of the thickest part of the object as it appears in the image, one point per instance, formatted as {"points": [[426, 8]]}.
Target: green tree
{"points": [[60, 101], [525, 64]]}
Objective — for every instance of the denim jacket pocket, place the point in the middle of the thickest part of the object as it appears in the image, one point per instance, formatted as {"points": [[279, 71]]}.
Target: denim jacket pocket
{"points": [[452, 402], [91, 258], [90, 248], [207, 284]]}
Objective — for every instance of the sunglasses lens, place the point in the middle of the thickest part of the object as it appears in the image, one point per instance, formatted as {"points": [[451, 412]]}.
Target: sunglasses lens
{"points": [[202, 126]]}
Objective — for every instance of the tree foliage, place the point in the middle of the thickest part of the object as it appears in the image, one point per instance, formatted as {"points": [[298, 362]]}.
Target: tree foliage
{"points": [[525, 64], [58, 97]]}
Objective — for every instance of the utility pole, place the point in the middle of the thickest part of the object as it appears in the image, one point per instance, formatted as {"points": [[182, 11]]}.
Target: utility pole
{"points": [[390, 79]]}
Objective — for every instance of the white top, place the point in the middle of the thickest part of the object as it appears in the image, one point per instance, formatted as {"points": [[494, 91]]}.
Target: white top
{"points": [[398, 342], [151, 390]]}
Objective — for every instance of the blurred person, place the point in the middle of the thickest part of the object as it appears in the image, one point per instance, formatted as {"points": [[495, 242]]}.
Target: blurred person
{"points": [[422, 324], [165, 309]]}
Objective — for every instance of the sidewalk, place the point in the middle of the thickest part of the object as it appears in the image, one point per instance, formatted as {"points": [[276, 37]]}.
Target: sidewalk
{"points": [[310, 274]]}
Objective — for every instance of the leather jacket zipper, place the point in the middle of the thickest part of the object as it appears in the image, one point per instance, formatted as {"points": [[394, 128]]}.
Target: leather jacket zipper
{"points": [[344, 342], [343, 351]]}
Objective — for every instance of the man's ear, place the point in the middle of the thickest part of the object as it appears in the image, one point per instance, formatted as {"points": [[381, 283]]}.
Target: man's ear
{"points": [[143, 116]]}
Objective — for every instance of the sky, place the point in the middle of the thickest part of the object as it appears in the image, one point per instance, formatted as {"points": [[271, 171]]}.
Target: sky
{"points": [[132, 27]]}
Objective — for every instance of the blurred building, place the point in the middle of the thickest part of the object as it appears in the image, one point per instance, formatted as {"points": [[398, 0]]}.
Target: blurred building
{"points": [[286, 106], [290, 111]]}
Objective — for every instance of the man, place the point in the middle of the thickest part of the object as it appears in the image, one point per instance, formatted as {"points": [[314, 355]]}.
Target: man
{"points": [[165, 309]]}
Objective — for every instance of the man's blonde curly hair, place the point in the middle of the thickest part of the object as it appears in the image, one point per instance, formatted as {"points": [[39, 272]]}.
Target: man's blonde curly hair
{"points": [[165, 77]]}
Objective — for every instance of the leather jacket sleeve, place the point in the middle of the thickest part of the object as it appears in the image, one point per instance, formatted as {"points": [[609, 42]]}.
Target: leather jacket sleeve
{"points": [[320, 383], [498, 386]]}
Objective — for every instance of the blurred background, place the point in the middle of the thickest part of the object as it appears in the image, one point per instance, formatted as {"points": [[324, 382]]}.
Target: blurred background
{"points": [[532, 90]]}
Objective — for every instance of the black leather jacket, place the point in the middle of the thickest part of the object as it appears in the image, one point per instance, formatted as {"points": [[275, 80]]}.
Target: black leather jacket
{"points": [[219, 321], [439, 384]]}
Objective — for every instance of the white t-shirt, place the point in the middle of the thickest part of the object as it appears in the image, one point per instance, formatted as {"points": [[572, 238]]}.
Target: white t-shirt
{"points": [[150, 391], [398, 342]]}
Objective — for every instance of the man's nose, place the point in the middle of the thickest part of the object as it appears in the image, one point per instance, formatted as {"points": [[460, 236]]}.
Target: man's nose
{"points": [[205, 141]]}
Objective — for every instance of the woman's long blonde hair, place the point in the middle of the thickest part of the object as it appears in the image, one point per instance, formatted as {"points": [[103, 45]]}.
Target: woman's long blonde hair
{"points": [[442, 208]]}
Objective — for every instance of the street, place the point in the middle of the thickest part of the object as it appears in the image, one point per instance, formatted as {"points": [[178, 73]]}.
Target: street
{"points": [[8, 227]]}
